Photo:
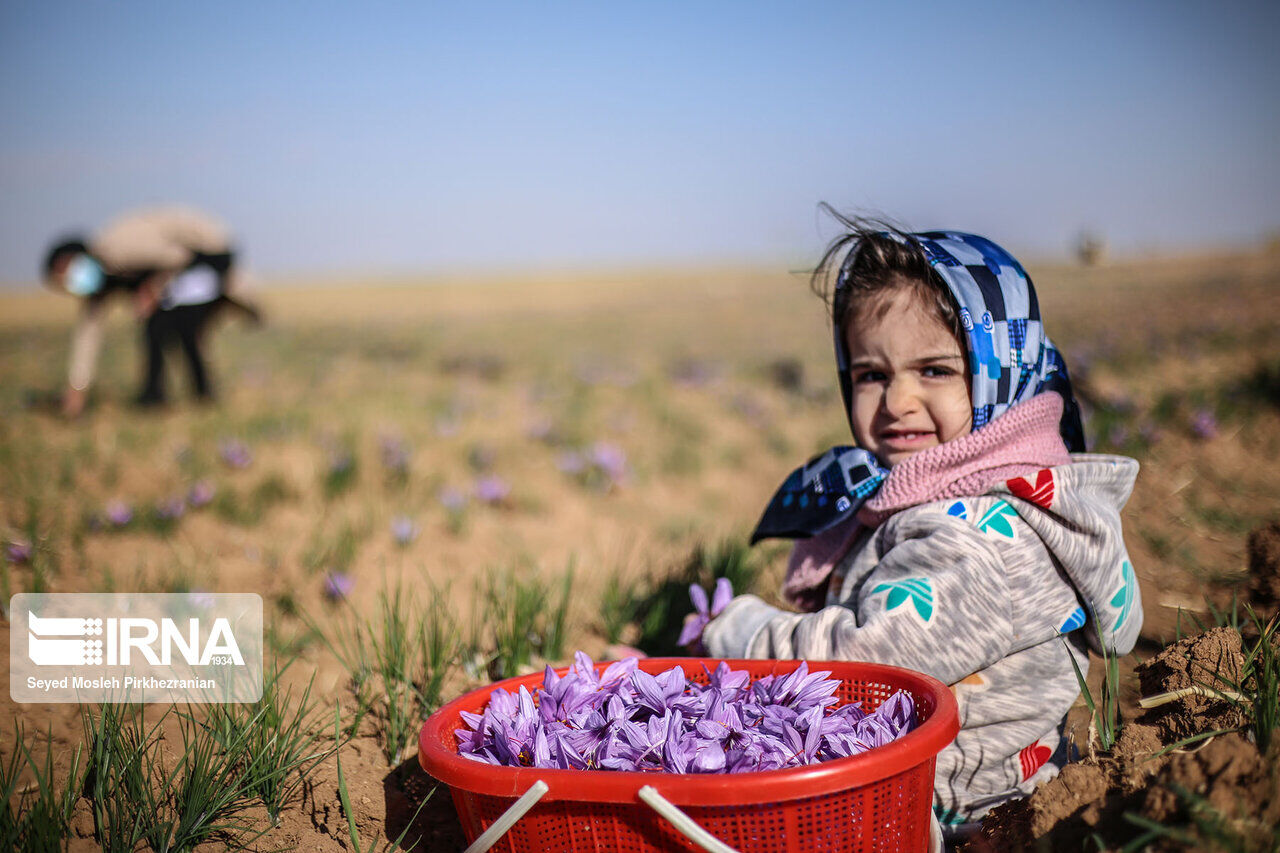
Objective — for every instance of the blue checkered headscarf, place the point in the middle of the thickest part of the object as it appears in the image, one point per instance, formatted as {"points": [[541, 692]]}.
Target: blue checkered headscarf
{"points": [[1010, 360]]}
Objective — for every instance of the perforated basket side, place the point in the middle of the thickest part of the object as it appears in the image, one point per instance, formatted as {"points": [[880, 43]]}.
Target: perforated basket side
{"points": [[892, 814]]}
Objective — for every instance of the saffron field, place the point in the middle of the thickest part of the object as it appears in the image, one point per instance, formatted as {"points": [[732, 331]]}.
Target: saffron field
{"points": [[436, 483]]}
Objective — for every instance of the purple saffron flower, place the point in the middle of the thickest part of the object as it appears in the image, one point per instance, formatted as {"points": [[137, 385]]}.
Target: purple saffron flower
{"points": [[340, 462], [728, 682], [691, 373], [566, 700], [1150, 433], [610, 459], [703, 614], [722, 723], [539, 429], [899, 711], [627, 719], [658, 693], [751, 410], [615, 676], [403, 530], [171, 509], [338, 585], [594, 737], [571, 462], [492, 489], [395, 454], [17, 551], [453, 500], [118, 513], [235, 453], [799, 688], [1204, 425], [201, 493]]}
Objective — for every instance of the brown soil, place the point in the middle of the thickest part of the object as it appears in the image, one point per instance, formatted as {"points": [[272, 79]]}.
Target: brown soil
{"points": [[1212, 662], [1264, 567], [1147, 776], [386, 804]]}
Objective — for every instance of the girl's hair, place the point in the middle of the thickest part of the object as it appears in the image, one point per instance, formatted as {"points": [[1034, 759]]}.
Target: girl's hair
{"points": [[63, 248], [877, 258]]}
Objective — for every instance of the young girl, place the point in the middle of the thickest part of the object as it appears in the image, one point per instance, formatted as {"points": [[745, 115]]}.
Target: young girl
{"points": [[966, 536]]}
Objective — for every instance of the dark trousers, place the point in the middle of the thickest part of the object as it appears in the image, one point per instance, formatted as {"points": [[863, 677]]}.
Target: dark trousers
{"points": [[184, 324]]}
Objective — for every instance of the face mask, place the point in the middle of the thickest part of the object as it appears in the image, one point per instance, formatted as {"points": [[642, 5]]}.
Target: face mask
{"points": [[83, 276]]}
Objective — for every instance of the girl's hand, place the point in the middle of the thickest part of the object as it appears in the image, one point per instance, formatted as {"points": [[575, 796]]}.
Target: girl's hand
{"points": [[696, 622], [73, 402]]}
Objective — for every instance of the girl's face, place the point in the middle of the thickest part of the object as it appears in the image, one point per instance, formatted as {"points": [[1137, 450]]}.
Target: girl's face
{"points": [[910, 380]]}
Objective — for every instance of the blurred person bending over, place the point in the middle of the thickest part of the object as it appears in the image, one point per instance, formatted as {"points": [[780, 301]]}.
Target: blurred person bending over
{"points": [[178, 267]]}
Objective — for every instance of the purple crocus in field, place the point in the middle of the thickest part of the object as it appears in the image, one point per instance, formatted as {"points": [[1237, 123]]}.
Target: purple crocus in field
{"points": [[453, 500], [539, 429], [235, 453], [118, 513], [692, 373], [17, 551], [340, 462], [1150, 433], [1204, 425], [610, 459], [171, 509], [403, 530], [492, 489], [703, 613], [395, 454], [201, 493], [751, 409], [571, 462], [338, 585]]}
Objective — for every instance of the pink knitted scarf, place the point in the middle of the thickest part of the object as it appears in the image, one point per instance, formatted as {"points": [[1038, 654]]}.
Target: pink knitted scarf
{"points": [[1018, 443]]}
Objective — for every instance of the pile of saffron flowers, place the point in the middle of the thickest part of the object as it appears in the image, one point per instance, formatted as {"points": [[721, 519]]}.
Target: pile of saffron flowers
{"points": [[626, 719]]}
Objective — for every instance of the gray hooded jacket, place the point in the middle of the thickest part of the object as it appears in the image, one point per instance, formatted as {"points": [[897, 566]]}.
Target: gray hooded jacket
{"points": [[983, 593]]}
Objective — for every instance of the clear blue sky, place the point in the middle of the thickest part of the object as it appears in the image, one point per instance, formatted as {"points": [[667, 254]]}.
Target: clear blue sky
{"points": [[412, 137]]}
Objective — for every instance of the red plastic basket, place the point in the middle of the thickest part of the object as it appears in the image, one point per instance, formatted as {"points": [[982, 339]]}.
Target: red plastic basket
{"points": [[880, 800]]}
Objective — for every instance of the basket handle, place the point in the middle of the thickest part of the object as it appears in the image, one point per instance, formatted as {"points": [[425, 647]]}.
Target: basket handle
{"points": [[684, 824], [514, 812]]}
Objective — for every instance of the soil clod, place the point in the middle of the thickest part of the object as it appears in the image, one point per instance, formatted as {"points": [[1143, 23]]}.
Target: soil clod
{"points": [[1201, 671], [1264, 568]]}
